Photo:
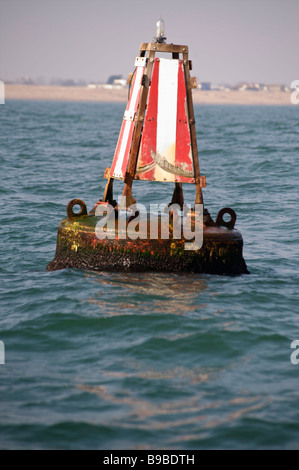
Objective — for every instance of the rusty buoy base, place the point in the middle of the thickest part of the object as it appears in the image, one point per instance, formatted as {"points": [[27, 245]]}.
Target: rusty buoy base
{"points": [[78, 247]]}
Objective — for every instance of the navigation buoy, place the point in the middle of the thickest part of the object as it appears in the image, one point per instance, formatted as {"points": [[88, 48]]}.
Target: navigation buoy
{"points": [[157, 142]]}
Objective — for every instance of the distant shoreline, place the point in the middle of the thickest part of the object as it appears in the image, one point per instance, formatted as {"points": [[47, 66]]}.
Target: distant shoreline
{"points": [[77, 93]]}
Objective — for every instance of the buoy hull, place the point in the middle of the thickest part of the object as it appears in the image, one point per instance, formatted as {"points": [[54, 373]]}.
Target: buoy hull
{"points": [[78, 247]]}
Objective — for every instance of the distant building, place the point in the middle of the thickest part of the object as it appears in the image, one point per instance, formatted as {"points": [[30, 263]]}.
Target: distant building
{"points": [[242, 86], [120, 82], [204, 86], [253, 87], [214, 87], [273, 88], [68, 82], [112, 78], [263, 86], [26, 81]]}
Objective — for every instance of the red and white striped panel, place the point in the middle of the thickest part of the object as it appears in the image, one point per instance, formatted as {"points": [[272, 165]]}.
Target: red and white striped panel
{"points": [[121, 155], [165, 151]]}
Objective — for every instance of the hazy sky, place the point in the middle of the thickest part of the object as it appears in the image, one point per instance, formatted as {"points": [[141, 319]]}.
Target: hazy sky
{"points": [[229, 40]]}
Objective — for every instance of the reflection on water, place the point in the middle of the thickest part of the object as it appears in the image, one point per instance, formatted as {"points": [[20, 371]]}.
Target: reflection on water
{"points": [[155, 292], [154, 283], [176, 413], [193, 375], [154, 405]]}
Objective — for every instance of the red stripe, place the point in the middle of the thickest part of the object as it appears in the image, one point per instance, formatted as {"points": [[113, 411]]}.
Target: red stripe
{"points": [[149, 134], [130, 134], [183, 139]]}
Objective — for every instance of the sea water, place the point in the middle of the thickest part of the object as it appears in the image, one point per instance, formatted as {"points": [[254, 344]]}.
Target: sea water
{"points": [[97, 360]]}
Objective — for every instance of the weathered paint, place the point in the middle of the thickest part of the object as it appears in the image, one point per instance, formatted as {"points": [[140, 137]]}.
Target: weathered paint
{"points": [[165, 150], [78, 247], [121, 156]]}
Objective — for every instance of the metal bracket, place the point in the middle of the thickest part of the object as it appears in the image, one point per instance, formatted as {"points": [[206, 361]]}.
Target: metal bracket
{"points": [[145, 81], [193, 82], [129, 81], [140, 62], [129, 116], [201, 180], [107, 172]]}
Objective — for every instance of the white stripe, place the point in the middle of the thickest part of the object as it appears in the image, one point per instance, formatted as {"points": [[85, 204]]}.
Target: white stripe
{"points": [[117, 170], [167, 112], [139, 74], [119, 162]]}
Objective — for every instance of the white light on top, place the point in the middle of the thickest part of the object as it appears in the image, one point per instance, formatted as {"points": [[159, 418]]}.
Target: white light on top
{"points": [[160, 31]]}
